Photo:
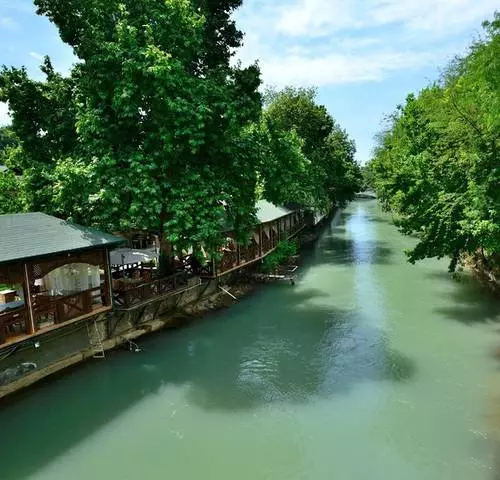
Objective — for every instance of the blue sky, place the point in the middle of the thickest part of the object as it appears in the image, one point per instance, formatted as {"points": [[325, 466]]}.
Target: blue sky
{"points": [[363, 55]]}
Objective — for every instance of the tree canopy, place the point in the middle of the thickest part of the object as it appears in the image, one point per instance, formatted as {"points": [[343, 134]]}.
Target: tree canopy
{"points": [[315, 155], [155, 128], [437, 164]]}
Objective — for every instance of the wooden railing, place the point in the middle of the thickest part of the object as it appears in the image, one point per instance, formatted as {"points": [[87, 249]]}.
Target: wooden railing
{"points": [[16, 318], [49, 310], [252, 252], [61, 308], [128, 296], [229, 261]]}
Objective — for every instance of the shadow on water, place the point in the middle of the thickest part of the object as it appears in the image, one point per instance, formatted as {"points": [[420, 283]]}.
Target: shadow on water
{"points": [[470, 302], [344, 251], [335, 247], [280, 345], [346, 241]]}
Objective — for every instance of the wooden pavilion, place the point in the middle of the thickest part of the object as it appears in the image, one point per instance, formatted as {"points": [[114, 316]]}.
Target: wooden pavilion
{"points": [[51, 272], [276, 224]]}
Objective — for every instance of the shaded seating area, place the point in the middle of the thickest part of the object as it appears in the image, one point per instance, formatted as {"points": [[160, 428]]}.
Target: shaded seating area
{"points": [[135, 283], [51, 272], [276, 224]]}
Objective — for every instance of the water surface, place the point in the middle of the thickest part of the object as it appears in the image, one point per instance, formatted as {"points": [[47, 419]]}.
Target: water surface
{"points": [[368, 368]]}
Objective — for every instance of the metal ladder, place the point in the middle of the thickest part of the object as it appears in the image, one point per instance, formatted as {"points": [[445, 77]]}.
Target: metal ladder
{"points": [[97, 347]]}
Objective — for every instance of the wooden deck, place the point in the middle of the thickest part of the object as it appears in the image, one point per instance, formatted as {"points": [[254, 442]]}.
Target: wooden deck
{"points": [[245, 256], [21, 337], [138, 293]]}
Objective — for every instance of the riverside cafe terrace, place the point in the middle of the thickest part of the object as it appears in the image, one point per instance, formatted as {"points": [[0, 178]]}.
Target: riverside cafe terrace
{"points": [[51, 272]]}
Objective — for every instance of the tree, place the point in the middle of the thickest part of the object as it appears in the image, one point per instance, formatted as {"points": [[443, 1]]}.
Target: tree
{"points": [[11, 193], [329, 174], [154, 118], [283, 169], [437, 164], [7, 138], [43, 119]]}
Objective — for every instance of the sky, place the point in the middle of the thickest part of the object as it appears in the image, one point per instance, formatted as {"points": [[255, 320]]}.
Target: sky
{"points": [[364, 56]]}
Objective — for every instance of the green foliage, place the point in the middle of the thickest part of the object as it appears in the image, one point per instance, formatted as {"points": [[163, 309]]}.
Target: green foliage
{"points": [[43, 119], [163, 114], [150, 130], [283, 252], [11, 193], [437, 163], [7, 138], [368, 176], [314, 155]]}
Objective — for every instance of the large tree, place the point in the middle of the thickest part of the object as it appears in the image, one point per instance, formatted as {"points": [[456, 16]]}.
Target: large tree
{"points": [[329, 175], [154, 119], [43, 121]]}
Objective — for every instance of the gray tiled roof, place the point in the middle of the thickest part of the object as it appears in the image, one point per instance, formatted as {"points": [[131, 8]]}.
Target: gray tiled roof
{"points": [[30, 235], [267, 211]]}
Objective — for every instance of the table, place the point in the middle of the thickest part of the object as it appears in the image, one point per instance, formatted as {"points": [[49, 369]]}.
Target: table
{"points": [[4, 307], [11, 313]]}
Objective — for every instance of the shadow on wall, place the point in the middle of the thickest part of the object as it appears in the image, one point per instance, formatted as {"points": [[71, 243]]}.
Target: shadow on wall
{"points": [[281, 345]]}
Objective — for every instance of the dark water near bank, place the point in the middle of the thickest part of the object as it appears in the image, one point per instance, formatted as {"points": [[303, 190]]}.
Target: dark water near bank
{"points": [[368, 368]]}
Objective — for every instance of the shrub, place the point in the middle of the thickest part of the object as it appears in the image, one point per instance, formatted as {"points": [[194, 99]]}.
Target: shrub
{"points": [[283, 252]]}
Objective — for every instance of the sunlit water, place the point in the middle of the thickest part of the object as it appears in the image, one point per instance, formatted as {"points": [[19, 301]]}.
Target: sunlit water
{"points": [[369, 368]]}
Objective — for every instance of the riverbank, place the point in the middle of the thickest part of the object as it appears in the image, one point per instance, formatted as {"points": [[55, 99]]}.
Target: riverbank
{"points": [[51, 352], [485, 275]]}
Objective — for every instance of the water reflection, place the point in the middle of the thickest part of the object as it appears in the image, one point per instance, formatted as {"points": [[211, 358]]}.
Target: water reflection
{"points": [[287, 350]]}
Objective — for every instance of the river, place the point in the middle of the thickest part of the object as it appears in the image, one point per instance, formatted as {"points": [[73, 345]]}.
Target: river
{"points": [[368, 368]]}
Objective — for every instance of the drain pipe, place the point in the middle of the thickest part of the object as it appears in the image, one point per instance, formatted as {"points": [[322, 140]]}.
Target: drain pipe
{"points": [[229, 293]]}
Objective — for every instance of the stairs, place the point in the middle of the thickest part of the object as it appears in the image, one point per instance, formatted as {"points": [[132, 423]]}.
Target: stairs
{"points": [[95, 340]]}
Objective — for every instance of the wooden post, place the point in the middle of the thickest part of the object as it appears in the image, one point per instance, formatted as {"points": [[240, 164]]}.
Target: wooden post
{"points": [[238, 254], [261, 237], [108, 284], [30, 327], [279, 229]]}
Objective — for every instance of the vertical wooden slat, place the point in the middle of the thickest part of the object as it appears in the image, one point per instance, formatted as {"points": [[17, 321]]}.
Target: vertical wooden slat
{"points": [[260, 240], [108, 293], [30, 327]]}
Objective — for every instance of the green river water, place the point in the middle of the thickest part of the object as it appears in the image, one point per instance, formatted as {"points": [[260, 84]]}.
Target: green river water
{"points": [[369, 368]]}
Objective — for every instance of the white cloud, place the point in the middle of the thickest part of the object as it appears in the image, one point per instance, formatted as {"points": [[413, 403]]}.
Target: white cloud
{"points": [[4, 114], [8, 23], [324, 17], [338, 68], [36, 56], [323, 42], [315, 17]]}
